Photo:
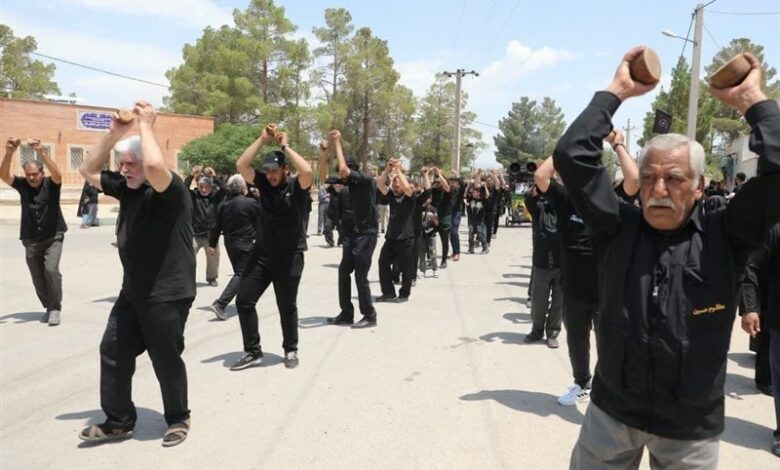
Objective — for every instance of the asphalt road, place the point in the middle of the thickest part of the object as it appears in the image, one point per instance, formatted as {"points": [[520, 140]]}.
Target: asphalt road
{"points": [[444, 382]]}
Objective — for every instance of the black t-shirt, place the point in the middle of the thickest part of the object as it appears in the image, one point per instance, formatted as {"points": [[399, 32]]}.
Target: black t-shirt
{"points": [[281, 226], [546, 242], [41, 212], [401, 223], [362, 198], [475, 209], [575, 236], [443, 202], [418, 210], [154, 236]]}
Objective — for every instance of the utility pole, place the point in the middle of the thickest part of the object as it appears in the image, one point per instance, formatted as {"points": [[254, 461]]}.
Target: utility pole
{"points": [[693, 98], [459, 74], [628, 130]]}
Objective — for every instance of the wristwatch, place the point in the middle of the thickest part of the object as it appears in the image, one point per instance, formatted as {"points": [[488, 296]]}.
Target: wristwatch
{"points": [[284, 147]]}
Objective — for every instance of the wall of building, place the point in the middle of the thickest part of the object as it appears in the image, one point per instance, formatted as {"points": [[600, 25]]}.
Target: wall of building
{"points": [[56, 125]]}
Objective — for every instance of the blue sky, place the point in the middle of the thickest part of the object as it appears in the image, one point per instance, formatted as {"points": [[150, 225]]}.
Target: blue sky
{"points": [[562, 49]]}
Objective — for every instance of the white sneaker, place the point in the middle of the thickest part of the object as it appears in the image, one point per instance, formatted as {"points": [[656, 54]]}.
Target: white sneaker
{"points": [[436, 274], [575, 395], [420, 274]]}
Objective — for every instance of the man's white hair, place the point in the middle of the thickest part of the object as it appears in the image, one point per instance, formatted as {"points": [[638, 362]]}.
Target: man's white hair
{"points": [[668, 142], [236, 184], [130, 145]]}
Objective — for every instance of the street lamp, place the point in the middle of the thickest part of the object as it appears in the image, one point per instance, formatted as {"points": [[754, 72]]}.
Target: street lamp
{"points": [[693, 96]]}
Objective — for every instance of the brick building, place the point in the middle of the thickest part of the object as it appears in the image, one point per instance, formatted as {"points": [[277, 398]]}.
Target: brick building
{"points": [[67, 131]]}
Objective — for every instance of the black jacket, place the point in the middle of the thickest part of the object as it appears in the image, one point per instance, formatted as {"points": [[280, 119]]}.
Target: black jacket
{"points": [[546, 240], [762, 276], [204, 208], [667, 301], [237, 218]]}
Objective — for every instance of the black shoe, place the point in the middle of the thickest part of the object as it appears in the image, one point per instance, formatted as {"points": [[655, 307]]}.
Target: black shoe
{"points": [[401, 299], [485, 250], [213, 283], [341, 319], [766, 390], [471, 251], [552, 343], [443, 264], [219, 312], [533, 337], [247, 360], [385, 298], [291, 359], [367, 321]]}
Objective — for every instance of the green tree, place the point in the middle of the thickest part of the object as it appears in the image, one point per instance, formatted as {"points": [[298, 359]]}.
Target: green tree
{"points": [[436, 128], [221, 149], [334, 38], [396, 134], [27, 77], [517, 140], [549, 128]]}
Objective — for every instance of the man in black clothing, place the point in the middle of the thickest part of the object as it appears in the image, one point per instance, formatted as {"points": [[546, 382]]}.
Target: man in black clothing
{"points": [[154, 235], [359, 241], [278, 252], [422, 239], [443, 200], [88, 206], [667, 281], [237, 218], [43, 228], [399, 238], [206, 198], [545, 314], [475, 207], [761, 297], [490, 203], [458, 208]]}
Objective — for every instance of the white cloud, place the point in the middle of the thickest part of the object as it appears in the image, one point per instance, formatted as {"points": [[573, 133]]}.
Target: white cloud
{"points": [[104, 90], [520, 61], [418, 75], [198, 13]]}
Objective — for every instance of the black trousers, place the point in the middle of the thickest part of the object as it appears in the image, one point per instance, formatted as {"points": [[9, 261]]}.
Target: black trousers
{"points": [[133, 328], [579, 317], [489, 216], [239, 253], [356, 254], [401, 252], [763, 371], [444, 227], [284, 271], [454, 232], [43, 261]]}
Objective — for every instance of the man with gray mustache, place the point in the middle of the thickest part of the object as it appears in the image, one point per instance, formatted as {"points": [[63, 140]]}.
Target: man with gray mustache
{"points": [[668, 281]]}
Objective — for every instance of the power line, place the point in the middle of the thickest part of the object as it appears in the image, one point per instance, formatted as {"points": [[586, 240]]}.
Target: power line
{"points": [[745, 13], [710, 35], [99, 70], [508, 19], [486, 124], [685, 43]]}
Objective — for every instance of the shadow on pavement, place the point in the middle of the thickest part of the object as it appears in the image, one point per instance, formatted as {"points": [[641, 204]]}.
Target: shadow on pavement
{"points": [[513, 299], [150, 424], [516, 284], [743, 359], [330, 265], [518, 318], [542, 404], [22, 317], [740, 384], [508, 337], [512, 275], [521, 266], [313, 322], [746, 434], [106, 299], [229, 358], [230, 311]]}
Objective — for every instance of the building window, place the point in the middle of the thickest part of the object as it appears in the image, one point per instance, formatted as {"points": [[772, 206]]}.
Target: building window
{"points": [[27, 154], [76, 157]]}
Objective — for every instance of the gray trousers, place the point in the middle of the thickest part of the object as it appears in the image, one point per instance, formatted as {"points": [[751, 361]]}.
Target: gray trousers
{"points": [[382, 214], [43, 260], [607, 444], [546, 314], [212, 261], [322, 216]]}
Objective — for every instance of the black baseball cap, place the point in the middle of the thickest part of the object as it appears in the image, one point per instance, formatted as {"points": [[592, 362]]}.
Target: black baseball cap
{"points": [[352, 164], [274, 160]]}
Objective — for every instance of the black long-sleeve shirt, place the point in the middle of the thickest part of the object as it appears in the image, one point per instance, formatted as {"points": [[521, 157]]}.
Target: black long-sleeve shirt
{"points": [[237, 218], [546, 240], [763, 270], [667, 300]]}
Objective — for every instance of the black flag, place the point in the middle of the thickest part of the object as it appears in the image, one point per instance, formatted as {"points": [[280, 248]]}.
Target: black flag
{"points": [[663, 122]]}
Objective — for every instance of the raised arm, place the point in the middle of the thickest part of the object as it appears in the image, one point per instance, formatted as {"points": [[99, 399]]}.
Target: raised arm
{"points": [[335, 137], [405, 186], [324, 161], [98, 156], [544, 174], [5, 166], [156, 171], [244, 163], [302, 167], [381, 181], [577, 156], [445, 185], [48, 161], [426, 180], [627, 164]]}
